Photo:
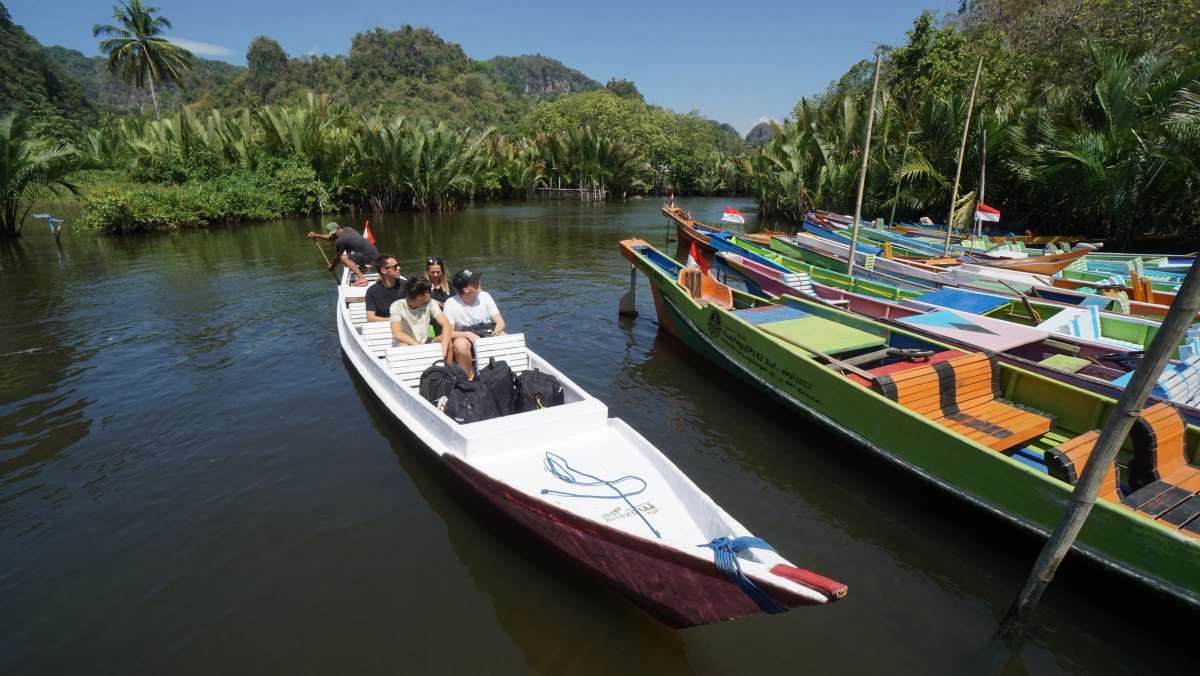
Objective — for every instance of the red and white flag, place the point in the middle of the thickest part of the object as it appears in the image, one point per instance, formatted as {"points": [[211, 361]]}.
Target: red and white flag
{"points": [[985, 213], [732, 215], [367, 232], [696, 259]]}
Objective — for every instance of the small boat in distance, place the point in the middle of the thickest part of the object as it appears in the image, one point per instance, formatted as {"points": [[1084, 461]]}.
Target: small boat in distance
{"points": [[588, 486]]}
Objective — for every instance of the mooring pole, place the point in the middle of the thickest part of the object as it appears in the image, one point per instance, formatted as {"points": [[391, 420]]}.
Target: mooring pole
{"points": [[962, 151], [862, 172], [628, 304], [1129, 406], [982, 180]]}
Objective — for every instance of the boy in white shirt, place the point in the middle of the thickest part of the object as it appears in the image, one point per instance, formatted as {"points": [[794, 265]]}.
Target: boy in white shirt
{"points": [[412, 315], [473, 313]]}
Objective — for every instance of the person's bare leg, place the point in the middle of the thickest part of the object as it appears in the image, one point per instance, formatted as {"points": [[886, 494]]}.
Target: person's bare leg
{"points": [[359, 278], [463, 356]]}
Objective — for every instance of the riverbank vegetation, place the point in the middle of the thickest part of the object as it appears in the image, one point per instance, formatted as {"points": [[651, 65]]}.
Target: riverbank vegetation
{"points": [[1091, 112]]}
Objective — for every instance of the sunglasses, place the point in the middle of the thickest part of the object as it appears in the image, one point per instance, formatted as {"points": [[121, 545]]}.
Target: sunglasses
{"points": [[433, 260], [391, 267]]}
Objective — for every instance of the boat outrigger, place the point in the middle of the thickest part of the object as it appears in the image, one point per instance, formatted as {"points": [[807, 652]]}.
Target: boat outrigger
{"points": [[589, 486], [1000, 437]]}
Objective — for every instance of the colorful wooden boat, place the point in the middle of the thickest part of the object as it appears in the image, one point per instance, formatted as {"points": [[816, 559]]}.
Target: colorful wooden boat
{"points": [[1091, 365], [699, 230], [1000, 437], [588, 486]]}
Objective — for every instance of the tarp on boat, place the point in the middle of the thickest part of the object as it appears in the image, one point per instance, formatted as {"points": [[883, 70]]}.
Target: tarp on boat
{"points": [[984, 333], [967, 301]]}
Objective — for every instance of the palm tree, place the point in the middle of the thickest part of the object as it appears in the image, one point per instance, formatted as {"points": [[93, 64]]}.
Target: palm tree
{"points": [[136, 48], [28, 166]]}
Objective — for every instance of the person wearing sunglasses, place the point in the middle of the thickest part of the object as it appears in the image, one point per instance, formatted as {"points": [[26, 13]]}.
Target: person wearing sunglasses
{"points": [[386, 291], [435, 272]]}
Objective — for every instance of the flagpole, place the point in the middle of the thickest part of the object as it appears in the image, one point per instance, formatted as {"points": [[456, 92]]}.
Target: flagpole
{"points": [[862, 174], [899, 180], [962, 150], [982, 182]]}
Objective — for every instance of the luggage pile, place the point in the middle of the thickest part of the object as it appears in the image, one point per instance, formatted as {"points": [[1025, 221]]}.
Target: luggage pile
{"points": [[495, 392]]}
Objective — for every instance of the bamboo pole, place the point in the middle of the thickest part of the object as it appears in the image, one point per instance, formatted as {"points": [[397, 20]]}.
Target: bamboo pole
{"points": [[899, 180], [1116, 428], [862, 174], [962, 150]]}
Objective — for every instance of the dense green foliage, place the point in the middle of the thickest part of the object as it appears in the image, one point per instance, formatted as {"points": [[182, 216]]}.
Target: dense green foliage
{"points": [[32, 80], [539, 76], [29, 167], [1091, 112]]}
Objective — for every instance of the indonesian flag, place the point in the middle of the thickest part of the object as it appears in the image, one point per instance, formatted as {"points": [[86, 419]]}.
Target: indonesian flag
{"points": [[985, 213], [732, 215], [367, 232], [696, 259]]}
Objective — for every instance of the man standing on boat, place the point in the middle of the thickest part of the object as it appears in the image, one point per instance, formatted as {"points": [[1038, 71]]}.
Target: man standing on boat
{"points": [[386, 291], [353, 250]]}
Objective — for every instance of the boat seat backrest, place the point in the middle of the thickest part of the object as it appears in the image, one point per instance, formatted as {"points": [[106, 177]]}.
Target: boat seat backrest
{"points": [[963, 394], [692, 280], [510, 349], [408, 362], [1066, 461], [703, 287], [1159, 438], [357, 308], [377, 336]]}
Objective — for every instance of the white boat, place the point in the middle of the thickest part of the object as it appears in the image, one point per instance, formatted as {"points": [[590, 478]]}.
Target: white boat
{"points": [[589, 486]]}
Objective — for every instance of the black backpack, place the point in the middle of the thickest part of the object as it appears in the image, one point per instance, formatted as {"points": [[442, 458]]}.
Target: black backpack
{"points": [[470, 402], [438, 380], [538, 390], [498, 378]]}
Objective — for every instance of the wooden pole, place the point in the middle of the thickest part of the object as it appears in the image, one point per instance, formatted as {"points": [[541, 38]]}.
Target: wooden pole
{"points": [[962, 150], [862, 173], [328, 264], [896, 198], [1116, 429]]}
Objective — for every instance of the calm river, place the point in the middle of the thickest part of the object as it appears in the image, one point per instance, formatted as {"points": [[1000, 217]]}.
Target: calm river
{"points": [[192, 482]]}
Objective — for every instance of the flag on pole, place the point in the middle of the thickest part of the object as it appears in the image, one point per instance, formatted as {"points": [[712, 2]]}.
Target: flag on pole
{"points": [[367, 232], [732, 215], [696, 259], [985, 213]]}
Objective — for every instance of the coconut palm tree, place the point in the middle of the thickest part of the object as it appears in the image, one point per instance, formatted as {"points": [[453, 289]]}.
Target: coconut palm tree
{"points": [[29, 167], [137, 49]]}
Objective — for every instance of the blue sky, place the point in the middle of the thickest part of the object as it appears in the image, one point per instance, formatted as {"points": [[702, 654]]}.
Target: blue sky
{"points": [[734, 63]]}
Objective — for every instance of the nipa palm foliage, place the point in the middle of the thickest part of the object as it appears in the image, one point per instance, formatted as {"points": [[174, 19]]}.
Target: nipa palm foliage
{"points": [[29, 166]]}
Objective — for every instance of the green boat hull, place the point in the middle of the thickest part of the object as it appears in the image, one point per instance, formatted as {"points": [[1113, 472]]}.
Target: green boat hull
{"points": [[1116, 537]]}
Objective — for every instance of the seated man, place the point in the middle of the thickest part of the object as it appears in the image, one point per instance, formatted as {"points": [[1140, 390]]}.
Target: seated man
{"points": [[352, 250], [472, 313], [386, 291], [412, 314]]}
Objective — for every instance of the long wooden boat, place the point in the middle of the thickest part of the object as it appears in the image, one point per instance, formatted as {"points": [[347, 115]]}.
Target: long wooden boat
{"points": [[1083, 363], [997, 436], [699, 231], [589, 486]]}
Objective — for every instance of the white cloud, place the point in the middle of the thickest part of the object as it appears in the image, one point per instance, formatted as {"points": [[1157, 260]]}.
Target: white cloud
{"points": [[201, 48], [764, 118]]}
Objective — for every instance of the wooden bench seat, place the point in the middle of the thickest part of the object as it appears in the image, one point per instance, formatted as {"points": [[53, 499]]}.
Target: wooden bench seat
{"points": [[408, 362], [702, 286], [963, 394], [1159, 481]]}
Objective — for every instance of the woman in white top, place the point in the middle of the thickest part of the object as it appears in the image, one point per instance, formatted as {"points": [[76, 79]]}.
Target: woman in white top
{"points": [[412, 315], [472, 313]]}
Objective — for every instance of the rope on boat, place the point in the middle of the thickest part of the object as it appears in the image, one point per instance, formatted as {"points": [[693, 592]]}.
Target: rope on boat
{"points": [[725, 551], [563, 471]]}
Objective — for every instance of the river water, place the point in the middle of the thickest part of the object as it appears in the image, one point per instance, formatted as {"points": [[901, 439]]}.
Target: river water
{"points": [[191, 481]]}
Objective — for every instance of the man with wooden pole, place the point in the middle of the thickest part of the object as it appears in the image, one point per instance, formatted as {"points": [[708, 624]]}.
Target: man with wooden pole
{"points": [[1126, 412], [862, 174], [962, 150]]}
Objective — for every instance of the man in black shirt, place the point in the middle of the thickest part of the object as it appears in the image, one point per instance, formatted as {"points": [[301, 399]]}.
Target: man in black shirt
{"points": [[353, 250], [388, 290]]}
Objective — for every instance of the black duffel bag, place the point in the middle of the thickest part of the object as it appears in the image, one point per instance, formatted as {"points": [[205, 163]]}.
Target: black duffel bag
{"points": [[499, 380], [438, 380], [470, 402], [538, 390]]}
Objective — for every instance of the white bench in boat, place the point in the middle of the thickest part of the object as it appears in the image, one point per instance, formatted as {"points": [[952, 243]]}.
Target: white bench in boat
{"points": [[802, 282], [408, 362]]}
